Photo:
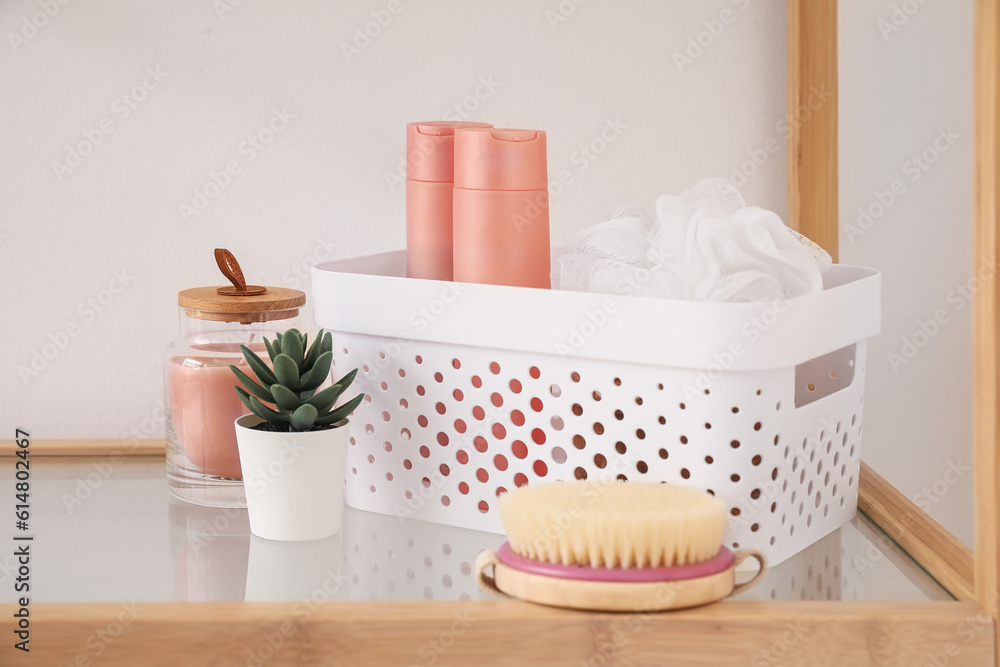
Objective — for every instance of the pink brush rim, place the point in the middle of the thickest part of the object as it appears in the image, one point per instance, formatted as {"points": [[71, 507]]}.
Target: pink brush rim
{"points": [[721, 562]]}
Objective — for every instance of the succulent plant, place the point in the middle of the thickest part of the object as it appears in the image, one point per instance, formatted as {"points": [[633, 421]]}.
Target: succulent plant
{"points": [[291, 385]]}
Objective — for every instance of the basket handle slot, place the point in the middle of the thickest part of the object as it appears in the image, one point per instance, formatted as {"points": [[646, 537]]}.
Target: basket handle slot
{"points": [[824, 376]]}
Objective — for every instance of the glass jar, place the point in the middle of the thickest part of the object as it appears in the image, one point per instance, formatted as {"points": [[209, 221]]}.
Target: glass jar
{"points": [[203, 463]]}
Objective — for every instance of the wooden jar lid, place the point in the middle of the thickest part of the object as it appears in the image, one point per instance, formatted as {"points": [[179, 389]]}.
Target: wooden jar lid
{"points": [[239, 302], [205, 303]]}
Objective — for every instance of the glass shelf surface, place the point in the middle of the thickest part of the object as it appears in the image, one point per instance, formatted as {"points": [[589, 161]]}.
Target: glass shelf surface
{"points": [[112, 532]]}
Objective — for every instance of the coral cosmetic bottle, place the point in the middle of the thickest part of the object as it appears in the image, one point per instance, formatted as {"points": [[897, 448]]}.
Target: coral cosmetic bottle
{"points": [[501, 216], [430, 168]]}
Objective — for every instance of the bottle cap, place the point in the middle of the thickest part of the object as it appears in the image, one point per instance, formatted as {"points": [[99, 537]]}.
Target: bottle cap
{"points": [[500, 159], [430, 154]]}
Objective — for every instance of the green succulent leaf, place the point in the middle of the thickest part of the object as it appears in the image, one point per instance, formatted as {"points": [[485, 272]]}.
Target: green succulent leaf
{"points": [[346, 381], [286, 371], [324, 400], [342, 412], [245, 397], [264, 412], [318, 374], [264, 374], [254, 388], [314, 351], [327, 420], [291, 344], [273, 350], [303, 418], [285, 398]]}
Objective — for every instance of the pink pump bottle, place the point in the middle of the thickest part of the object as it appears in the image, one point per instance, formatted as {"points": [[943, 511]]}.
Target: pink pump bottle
{"points": [[501, 212], [430, 169]]}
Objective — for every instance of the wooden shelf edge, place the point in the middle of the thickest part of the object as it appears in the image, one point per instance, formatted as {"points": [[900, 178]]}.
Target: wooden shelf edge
{"points": [[935, 549], [97, 447], [506, 632]]}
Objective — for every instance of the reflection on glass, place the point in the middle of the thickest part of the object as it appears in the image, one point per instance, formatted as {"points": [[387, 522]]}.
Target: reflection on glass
{"points": [[210, 547]]}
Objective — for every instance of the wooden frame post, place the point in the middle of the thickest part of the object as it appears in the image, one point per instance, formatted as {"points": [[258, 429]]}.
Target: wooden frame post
{"points": [[986, 304], [812, 141]]}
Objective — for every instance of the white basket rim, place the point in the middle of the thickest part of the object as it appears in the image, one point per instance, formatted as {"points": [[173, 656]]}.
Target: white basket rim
{"points": [[370, 295]]}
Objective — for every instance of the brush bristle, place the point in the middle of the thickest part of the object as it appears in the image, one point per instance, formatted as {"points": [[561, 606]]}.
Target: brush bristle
{"points": [[613, 524]]}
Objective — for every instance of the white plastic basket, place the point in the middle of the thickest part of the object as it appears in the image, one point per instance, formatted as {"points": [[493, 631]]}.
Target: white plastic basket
{"points": [[475, 389]]}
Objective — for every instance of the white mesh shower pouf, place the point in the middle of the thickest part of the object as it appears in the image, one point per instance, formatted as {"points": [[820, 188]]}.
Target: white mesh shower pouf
{"points": [[476, 389]]}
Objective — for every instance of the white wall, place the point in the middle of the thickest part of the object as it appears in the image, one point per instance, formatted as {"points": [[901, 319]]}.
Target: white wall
{"points": [[323, 188], [906, 83]]}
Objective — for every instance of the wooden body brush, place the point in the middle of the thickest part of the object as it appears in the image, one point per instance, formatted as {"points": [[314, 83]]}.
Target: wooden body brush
{"points": [[614, 546]]}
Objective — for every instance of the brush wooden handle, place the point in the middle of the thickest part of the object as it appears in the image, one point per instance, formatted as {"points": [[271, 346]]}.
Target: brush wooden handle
{"points": [[611, 596], [741, 556], [486, 581]]}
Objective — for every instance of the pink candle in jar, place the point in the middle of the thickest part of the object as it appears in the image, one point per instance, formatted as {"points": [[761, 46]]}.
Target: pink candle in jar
{"points": [[203, 407]]}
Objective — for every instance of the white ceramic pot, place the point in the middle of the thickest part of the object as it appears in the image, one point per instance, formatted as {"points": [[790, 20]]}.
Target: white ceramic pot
{"points": [[294, 482]]}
